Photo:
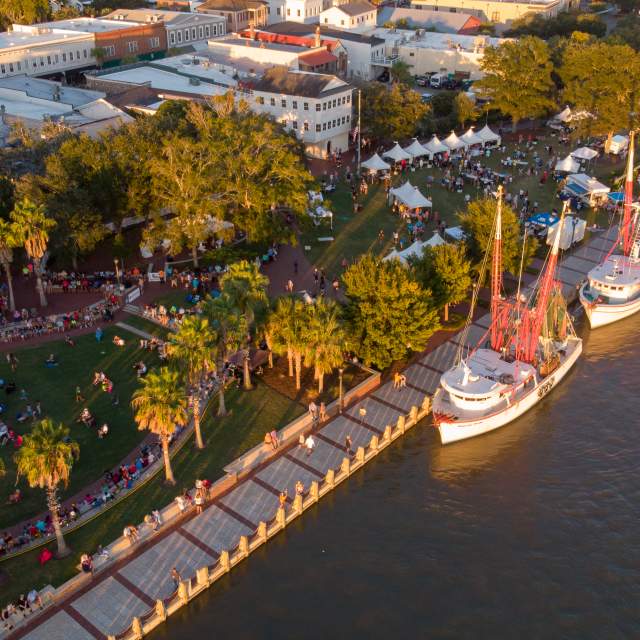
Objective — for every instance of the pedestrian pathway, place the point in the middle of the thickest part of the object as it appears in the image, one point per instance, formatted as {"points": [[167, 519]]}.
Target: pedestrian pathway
{"points": [[135, 331], [131, 587]]}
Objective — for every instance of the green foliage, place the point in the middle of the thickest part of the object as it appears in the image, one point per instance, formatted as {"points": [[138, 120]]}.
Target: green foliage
{"points": [[23, 11], [564, 24], [444, 270], [627, 31], [401, 72], [246, 288], [392, 113], [628, 6], [594, 82], [478, 223], [518, 78], [464, 108], [389, 314]]}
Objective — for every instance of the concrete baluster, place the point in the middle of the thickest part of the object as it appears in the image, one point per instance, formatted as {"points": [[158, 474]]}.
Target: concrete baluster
{"points": [[183, 591], [360, 454], [426, 404], [314, 490], [244, 545], [373, 445], [262, 531], [202, 575], [297, 503], [111, 638], [161, 610], [224, 560], [330, 478], [136, 627], [387, 433], [346, 465], [281, 516], [413, 414]]}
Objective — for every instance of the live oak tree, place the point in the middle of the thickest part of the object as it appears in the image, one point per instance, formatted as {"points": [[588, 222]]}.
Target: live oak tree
{"points": [[388, 313], [595, 82], [464, 108], [445, 270], [478, 223], [517, 78], [393, 113], [23, 11]]}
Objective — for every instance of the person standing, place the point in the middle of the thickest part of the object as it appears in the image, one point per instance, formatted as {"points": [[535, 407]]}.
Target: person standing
{"points": [[348, 444], [313, 411], [310, 443], [323, 412], [176, 577]]}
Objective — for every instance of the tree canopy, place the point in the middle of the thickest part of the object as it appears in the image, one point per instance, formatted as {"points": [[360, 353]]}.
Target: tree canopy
{"points": [[23, 11], [564, 24], [389, 314], [518, 78], [391, 113]]}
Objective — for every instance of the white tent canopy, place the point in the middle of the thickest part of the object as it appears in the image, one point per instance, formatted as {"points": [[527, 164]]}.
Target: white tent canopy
{"points": [[488, 136], [416, 150], [410, 196], [397, 154], [568, 165], [404, 191], [416, 249], [589, 184], [470, 137], [376, 163], [564, 115], [435, 146], [453, 142], [585, 153], [434, 240]]}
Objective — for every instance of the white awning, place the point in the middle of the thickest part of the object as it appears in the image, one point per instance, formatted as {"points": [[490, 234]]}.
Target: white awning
{"points": [[435, 146], [453, 142], [416, 150], [587, 183], [410, 196], [415, 250], [585, 153], [470, 137], [397, 153], [563, 116], [403, 191], [488, 136], [567, 165], [376, 163]]}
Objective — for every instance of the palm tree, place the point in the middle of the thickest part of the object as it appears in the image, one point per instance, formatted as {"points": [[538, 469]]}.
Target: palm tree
{"points": [[194, 346], [246, 287], [280, 329], [231, 329], [325, 339], [34, 227], [160, 406], [10, 239], [45, 460]]}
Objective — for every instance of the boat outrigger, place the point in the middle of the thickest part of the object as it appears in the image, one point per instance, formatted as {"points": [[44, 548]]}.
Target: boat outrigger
{"points": [[529, 347], [612, 289]]}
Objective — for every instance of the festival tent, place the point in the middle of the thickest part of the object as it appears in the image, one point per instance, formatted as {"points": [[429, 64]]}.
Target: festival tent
{"points": [[416, 150], [583, 182], [453, 142], [456, 233], [404, 191], [618, 144], [563, 116], [410, 196], [376, 163], [397, 154], [470, 137], [415, 250], [435, 146], [585, 153], [568, 165], [488, 136]]}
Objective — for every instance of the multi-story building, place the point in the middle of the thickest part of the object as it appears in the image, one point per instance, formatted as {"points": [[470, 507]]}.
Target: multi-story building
{"points": [[239, 14], [440, 21], [353, 16], [182, 28], [498, 11]]}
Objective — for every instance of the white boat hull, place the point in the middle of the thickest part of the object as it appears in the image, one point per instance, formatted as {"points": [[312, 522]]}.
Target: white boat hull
{"points": [[453, 430], [600, 315]]}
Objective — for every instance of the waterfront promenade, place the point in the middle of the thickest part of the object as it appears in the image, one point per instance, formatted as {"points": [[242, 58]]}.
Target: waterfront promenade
{"points": [[139, 585]]}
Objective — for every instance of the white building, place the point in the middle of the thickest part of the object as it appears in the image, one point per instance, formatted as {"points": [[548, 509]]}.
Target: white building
{"points": [[305, 11], [41, 49], [356, 15], [317, 107], [182, 28], [34, 102]]}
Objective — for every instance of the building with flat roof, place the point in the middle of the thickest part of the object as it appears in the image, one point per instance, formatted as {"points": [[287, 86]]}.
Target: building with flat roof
{"points": [[239, 14], [354, 16], [497, 11], [441, 21]]}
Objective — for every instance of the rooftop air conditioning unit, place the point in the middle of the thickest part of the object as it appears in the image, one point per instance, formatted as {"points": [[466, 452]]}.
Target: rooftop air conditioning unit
{"points": [[194, 81]]}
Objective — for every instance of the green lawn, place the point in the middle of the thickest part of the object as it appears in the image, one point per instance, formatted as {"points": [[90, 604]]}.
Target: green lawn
{"points": [[55, 389], [252, 414], [355, 234], [146, 325]]}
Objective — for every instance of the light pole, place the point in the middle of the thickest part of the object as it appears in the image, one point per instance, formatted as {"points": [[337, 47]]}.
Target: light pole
{"points": [[340, 372], [115, 262]]}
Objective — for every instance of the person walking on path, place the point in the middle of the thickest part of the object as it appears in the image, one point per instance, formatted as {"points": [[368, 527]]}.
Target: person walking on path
{"points": [[176, 577], [402, 381], [348, 444], [323, 412], [396, 380], [274, 439], [310, 443], [299, 488], [282, 499], [313, 411]]}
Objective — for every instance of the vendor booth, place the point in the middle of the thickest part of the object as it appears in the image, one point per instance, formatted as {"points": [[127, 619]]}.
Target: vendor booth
{"points": [[416, 150], [488, 137], [567, 165], [453, 142], [586, 188], [375, 163], [397, 154]]}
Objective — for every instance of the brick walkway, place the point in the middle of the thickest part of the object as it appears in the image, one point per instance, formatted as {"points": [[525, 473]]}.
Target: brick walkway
{"points": [[129, 588]]}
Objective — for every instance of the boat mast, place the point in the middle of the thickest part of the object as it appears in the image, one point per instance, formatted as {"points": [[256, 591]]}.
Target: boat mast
{"points": [[627, 219], [544, 292], [496, 280]]}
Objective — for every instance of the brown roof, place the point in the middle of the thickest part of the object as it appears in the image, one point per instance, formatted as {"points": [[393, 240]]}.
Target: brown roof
{"points": [[231, 5], [281, 80], [317, 57], [356, 8]]}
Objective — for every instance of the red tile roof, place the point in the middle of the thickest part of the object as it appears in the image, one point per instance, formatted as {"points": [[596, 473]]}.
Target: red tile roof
{"points": [[317, 57]]}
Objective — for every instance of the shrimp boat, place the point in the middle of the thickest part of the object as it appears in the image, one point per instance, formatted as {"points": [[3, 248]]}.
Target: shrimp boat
{"points": [[529, 347], [612, 289]]}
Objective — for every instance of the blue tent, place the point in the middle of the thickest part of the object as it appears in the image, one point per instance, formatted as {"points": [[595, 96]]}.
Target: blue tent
{"points": [[544, 219], [616, 196]]}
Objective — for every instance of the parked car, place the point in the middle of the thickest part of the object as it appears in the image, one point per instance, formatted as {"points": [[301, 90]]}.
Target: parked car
{"points": [[437, 80], [426, 97], [422, 81]]}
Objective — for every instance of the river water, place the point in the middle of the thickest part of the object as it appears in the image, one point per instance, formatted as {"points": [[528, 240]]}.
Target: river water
{"points": [[530, 532]]}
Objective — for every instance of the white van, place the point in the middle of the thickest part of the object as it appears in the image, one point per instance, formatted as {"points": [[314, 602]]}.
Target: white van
{"points": [[437, 80]]}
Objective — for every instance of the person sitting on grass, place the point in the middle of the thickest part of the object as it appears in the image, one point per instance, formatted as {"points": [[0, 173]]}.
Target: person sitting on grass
{"points": [[118, 341], [103, 431], [140, 368], [69, 341], [51, 361], [15, 497]]}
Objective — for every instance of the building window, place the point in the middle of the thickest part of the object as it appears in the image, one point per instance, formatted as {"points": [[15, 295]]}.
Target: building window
{"points": [[344, 119], [172, 38], [306, 126], [77, 55], [288, 12], [64, 58], [326, 20], [154, 42], [110, 50], [317, 128], [324, 106], [193, 34], [278, 11], [273, 102], [294, 104], [2, 69], [186, 35], [342, 23], [348, 99], [411, 54], [70, 58], [86, 54], [324, 126], [207, 30], [334, 123], [20, 64], [306, 106], [179, 36], [42, 61], [334, 103], [348, 117], [201, 32], [48, 59], [318, 107], [283, 103], [132, 46], [294, 124]]}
